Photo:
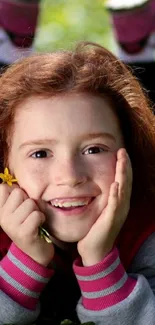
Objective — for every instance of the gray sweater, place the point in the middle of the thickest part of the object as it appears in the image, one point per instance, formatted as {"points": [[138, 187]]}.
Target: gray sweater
{"points": [[109, 295]]}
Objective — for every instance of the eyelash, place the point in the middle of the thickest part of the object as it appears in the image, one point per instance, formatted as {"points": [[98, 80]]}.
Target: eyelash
{"points": [[86, 152], [34, 155], [101, 149]]}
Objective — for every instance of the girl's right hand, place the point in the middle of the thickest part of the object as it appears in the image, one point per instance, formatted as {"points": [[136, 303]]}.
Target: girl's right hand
{"points": [[20, 218]]}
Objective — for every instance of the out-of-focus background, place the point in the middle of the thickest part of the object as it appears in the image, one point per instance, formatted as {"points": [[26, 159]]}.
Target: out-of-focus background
{"points": [[126, 27], [63, 22]]}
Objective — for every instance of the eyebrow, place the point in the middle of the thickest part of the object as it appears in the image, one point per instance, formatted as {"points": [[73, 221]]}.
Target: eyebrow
{"points": [[37, 142], [99, 135], [85, 137]]}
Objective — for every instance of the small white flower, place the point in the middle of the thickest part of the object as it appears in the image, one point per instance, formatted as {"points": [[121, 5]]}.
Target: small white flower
{"points": [[124, 4]]}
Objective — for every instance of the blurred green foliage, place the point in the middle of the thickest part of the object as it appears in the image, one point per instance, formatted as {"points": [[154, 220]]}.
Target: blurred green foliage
{"points": [[64, 22]]}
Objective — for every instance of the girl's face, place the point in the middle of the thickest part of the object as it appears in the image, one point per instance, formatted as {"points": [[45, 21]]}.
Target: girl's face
{"points": [[63, 154]]}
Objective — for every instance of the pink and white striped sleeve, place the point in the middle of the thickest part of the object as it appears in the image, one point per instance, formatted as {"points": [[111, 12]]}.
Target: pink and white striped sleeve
{"points": [[23, 279], [104, 284]]}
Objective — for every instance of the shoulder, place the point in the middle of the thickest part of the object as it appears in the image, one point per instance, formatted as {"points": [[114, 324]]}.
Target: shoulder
{"points": [[144, 261]]}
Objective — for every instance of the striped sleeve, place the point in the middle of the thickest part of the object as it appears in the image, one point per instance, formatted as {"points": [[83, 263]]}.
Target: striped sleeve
{"points": [[21, 278], [104, 284]]}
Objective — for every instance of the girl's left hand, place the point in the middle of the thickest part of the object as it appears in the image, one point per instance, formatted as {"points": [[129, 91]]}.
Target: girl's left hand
{"points": [[100, 239]]}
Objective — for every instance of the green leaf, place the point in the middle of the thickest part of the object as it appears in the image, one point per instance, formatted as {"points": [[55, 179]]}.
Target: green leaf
{"points": [[66, 322]]}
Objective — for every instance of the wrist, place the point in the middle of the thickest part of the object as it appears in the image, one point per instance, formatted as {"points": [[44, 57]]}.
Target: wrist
{"points": [[44, 261], [95, 258], [22, 279], [105, 284]]}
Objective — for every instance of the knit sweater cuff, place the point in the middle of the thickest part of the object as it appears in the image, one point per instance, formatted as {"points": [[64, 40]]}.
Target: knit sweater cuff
{"points": [[104, 284], [21, 278]]}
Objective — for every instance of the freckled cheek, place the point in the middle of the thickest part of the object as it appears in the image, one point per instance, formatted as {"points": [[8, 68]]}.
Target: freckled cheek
{"points": [[32, 180], [104, 171]]}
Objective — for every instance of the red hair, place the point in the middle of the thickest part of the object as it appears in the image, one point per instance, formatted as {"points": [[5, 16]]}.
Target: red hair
{"points": [[92, 69]]}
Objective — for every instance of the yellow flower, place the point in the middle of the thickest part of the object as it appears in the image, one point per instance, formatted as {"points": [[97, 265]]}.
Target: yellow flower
{"points": [[7, 178], [43, 233]]}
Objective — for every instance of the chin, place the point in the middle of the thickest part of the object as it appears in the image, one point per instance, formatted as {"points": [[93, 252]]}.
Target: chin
{"points": [[71, 237]]}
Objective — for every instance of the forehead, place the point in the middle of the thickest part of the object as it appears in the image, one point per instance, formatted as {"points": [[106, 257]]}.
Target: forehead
{"points": [[66, 114]]}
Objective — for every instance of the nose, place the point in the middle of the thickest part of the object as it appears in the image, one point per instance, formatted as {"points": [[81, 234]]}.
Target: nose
{"points": [[69, 172]]}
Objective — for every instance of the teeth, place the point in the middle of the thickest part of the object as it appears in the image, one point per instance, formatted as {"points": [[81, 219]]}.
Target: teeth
{"points": [[70, 204]]}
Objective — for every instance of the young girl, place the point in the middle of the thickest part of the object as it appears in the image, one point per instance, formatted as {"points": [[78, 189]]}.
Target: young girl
{"points": [[70, 123]]}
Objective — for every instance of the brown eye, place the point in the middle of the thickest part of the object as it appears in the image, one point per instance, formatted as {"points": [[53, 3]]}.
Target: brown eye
{"points": [[93, 150], [40, 154]]}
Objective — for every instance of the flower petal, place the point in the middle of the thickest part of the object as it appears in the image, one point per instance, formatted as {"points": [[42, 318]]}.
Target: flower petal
{"points": [[14, 180], [9, 183], [6, 171], [2, 176]]}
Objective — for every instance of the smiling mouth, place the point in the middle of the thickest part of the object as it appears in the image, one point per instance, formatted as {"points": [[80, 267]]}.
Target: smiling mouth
{"points": [[68, 205]]}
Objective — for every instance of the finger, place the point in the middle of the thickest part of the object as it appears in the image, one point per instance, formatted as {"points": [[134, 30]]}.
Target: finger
{"points": [[25, 194], [15, 199], [126, 186], [32, 222], [5, 191], [120, 164], [113, 199], [26, 208], [123, 173]]}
